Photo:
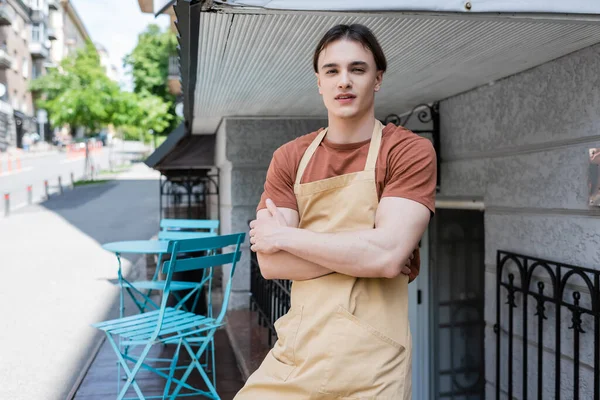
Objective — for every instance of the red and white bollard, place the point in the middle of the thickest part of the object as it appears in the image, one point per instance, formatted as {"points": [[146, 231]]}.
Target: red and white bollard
{"points": [[6, 204], [29, 195]]}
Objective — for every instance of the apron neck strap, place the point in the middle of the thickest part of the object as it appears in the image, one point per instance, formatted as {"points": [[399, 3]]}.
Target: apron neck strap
{"points": [[371, 157], [374, 146], [308, 155]]}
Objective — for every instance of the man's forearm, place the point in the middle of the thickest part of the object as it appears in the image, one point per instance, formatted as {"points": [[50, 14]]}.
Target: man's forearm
{"points": [[283, 265], [366, 253]]}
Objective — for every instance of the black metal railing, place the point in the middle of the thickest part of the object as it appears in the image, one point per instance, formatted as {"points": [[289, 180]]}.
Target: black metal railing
{"points": [[269, 298], [522, 279]]}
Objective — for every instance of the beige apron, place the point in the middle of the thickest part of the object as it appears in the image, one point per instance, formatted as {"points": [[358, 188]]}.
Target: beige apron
{"points": [[343, 337]]}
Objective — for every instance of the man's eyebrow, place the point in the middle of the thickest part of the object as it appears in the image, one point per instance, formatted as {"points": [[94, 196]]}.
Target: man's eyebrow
{"points": [[352, 64]]}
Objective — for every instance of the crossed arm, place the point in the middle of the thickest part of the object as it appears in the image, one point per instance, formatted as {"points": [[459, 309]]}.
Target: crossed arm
{"points": [[287, 252]]}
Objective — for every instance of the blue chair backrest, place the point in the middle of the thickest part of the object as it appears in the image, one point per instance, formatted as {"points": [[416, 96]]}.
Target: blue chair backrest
{"points": [[177, 229], [218, 253], [169, 224]]}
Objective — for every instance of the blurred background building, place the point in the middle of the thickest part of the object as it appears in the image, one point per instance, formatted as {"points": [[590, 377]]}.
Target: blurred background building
{"points": [[35, 35]]}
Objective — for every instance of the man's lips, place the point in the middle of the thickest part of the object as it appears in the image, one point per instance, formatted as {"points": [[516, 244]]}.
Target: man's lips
{"points": [[345, 98]]}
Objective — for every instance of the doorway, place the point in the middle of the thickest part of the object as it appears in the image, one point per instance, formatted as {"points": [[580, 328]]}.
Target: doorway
{"points": [[419, 319], [456, 286]]}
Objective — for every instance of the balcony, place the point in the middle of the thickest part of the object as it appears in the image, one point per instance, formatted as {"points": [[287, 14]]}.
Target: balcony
{"points": [[38, 16], [6, 60], [38, 50], [53, 4], [7, 14], [52, 34]]}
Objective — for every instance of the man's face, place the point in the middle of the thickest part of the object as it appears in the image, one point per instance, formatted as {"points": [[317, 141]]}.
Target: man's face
{"points": [[348, 79]]}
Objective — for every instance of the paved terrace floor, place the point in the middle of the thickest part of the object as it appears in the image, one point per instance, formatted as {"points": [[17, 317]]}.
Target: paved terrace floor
{"points": [[57, 279], [100, 383]]}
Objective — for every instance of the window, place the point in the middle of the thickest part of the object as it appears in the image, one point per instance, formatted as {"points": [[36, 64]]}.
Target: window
{"points": [[25, 68], [16, 61], [37, 33], [35, 70]]}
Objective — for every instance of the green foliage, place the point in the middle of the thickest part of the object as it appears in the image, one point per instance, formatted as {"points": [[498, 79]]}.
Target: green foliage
{"points": [[78, 92], [149, 63]]}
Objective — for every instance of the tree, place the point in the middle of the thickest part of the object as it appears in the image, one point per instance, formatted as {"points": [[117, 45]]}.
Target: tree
{"points": [[139, 115], [78, 93], [149, 63]]}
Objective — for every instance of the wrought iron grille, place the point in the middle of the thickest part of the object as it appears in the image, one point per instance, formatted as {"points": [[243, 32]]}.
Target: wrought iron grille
{"points": [[426, 114], [555, 305], [269, 298], [186, 195]]}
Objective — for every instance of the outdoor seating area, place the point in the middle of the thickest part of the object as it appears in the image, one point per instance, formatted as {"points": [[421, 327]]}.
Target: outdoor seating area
{"points": [[169, 336]]}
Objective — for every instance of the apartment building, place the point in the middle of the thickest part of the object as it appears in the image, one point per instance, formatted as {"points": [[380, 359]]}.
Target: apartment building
{"points": [[16, 59], [34, 35], [109, 68]]}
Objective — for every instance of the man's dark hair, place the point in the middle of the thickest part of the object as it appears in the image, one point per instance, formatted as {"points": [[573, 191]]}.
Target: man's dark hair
{"points": [[355, 32]]}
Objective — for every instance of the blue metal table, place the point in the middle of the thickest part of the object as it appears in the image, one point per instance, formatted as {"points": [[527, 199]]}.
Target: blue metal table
{"points": [[137, 246], [134, 247]]}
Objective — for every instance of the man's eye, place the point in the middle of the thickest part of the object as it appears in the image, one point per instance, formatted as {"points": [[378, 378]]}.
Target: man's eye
{"points": [[331, 71], [359, 70]]}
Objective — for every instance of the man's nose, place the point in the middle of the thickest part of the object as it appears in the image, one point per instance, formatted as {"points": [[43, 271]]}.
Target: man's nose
{"points": [[344, 82]]}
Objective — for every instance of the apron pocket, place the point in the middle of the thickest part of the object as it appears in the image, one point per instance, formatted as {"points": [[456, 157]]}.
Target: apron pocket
{"points": [[363, 363], [283, 352]]}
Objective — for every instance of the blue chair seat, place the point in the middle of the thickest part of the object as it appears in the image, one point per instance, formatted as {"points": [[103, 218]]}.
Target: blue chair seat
{"points": [[160, 285], [141, 327]]}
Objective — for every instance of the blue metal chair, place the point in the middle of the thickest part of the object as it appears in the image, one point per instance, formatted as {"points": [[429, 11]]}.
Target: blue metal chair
{"points": [[169, 325], [175, 229]]}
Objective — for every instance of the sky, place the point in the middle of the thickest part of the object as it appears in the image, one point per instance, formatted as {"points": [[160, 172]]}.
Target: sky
{"points": [[115, 24]]}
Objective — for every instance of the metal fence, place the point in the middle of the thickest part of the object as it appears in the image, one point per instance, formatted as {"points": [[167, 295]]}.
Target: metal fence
{"points": [[269, 298], [534, 294]]}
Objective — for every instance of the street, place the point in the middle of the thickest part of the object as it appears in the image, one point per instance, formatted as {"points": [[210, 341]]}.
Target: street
{"points": [[57, 279], [35, 169]]}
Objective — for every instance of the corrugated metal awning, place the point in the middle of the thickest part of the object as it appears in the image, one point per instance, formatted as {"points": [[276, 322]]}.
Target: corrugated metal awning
{"points": [[474, 6], [258, 62]]}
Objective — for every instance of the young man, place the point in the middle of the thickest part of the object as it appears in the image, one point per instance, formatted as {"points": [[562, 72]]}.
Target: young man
{"points": [[342, 210]]}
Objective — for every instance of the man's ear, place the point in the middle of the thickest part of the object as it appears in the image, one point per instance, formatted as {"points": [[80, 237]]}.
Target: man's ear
{"points": [[378, 80], [318, 82]]}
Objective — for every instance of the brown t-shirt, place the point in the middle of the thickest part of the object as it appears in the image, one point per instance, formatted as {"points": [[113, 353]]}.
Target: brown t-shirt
{"points": [[406, 167]]}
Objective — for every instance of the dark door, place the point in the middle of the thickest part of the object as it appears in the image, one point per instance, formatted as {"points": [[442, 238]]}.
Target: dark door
{"points": [[20, 130], [457, 304]]}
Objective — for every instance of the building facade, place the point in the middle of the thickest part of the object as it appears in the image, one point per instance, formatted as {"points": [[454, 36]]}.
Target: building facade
{"points": [[34, 35], [507, 304], [15, 70]]}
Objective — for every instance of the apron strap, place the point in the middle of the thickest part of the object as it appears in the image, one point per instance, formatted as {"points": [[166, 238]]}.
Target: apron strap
{"points": [[371, 157], [374, 146], [308, 155]]}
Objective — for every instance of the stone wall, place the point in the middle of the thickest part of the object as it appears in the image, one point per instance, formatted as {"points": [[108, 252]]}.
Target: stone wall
{"points": [[521, 145], [243, 152]]}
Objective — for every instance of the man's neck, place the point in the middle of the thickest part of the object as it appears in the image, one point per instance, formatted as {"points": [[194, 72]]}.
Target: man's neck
{"points": [[342, 131]]}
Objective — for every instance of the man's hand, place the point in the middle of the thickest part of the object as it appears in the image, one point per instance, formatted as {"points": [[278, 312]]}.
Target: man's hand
{"points": [[406, 268], [264, 232]]}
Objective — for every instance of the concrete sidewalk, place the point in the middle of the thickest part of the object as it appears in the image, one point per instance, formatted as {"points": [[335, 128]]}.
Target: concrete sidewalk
{"points": [[57, 279]]}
